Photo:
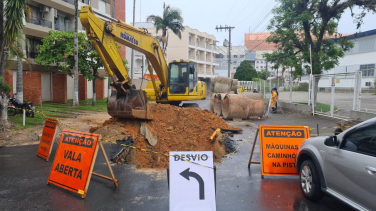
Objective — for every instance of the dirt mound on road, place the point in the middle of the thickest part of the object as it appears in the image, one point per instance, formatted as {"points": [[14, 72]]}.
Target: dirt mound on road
{"points": [[177, 129]]}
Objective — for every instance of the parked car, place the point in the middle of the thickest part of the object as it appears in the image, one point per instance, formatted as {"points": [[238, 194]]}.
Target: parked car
{"points": [[343, 165]]}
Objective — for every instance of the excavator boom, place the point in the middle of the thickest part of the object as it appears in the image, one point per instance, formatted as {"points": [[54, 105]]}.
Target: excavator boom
{"points": [[126, 102]]}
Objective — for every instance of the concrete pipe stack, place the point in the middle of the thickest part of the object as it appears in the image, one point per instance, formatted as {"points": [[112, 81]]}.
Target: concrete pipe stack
{"points": [[236, 106], [243, 105], [234, 85], [222, 85], [217, 108]]}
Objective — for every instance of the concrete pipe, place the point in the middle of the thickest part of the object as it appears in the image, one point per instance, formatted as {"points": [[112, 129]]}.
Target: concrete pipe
{"points": [[222, 85], [212, 96], [253, 96], [257, 108], [212, 82], [217, 105], [234, 85], [235, 106]]}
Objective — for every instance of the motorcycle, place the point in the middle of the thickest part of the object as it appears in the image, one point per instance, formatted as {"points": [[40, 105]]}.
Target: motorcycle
{"points": [[16, 107]]}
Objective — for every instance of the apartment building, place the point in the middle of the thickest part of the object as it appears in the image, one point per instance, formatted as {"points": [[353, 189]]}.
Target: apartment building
{"points": [[39, 83], [257, 47], [237, 56], [194, 45]]}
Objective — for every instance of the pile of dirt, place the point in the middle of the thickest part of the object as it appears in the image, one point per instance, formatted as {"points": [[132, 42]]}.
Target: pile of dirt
{"points": [[177, 129]]}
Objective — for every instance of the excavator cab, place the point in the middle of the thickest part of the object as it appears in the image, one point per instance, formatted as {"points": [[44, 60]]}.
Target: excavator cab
{"points": [[182, 77]]}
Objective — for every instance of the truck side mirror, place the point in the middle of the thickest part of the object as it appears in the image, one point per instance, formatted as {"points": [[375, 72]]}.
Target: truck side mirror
{"points": [[191, 70], [331, 141]]}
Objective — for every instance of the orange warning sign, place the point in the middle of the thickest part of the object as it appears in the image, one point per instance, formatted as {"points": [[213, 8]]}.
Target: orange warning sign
{"points": [[74, 161], [278, 146], [48, 136]]}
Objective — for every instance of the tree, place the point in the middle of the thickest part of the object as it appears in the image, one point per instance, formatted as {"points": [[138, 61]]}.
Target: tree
{"points": [[262, 74], [75, 95], [171, 20], [57, 51], [245, 72], [298, 24], [13, 15], [1, 39]]}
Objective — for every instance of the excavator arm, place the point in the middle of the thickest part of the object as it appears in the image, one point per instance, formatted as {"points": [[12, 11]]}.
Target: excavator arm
{"points": [[126, 102]]}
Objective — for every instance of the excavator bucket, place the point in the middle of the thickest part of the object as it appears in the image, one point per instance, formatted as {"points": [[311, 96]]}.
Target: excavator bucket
{"points": [[133, 105]]}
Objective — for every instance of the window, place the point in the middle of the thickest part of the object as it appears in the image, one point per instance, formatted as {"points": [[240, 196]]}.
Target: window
{"points": [[368, 83], [235, 68], [368, 70], [178, 78], [235, 62], [235, 56], [257, 66], [363, 140], [102, 6], [241, 56], [258, 62]]}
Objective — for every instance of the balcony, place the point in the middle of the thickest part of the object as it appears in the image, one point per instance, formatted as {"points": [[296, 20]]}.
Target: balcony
{"points": [[39, 22], [63, 27], [69, 1], [32, 55]]}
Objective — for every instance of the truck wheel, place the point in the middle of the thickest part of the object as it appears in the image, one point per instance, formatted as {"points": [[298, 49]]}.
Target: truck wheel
{"points": [[309, 181]]}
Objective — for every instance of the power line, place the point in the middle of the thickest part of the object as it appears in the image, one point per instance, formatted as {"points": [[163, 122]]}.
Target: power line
{"points": [[262, 19], [229, 11], [242, 10]]}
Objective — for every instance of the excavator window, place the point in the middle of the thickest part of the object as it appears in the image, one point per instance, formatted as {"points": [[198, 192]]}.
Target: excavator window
{"points": [[192, 77], [178, 78]]}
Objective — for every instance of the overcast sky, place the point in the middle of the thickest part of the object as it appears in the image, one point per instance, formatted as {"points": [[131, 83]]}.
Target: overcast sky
{"points": [[245, 15]]}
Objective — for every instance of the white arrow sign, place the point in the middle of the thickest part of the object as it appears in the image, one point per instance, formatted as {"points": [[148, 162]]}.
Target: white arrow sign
{"points": [[191, 185]]}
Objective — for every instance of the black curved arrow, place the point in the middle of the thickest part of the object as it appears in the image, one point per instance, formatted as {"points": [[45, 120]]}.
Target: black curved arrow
{"points": [[186, 174]]}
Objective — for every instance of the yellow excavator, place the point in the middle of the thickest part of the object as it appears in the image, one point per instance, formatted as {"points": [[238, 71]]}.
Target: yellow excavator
{"points": [[178, 81]]}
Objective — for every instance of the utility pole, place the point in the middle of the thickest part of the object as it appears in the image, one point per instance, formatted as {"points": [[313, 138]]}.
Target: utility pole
{"points": [[229, 45], [132, 55]]}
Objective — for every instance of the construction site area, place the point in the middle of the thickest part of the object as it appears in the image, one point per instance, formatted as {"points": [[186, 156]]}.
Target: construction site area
{"points": [[142, 175]]}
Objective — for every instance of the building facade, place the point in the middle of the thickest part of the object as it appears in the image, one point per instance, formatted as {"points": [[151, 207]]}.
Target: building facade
{"points": [[238, 54], [257, 47], [360, 58], [39, 83], [194, 45]]}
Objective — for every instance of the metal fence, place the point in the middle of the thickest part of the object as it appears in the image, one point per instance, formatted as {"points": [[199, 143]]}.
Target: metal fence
{"points": [[336, 94]]}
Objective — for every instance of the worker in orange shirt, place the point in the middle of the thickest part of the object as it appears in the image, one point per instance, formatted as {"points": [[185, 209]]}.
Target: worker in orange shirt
{"points": [[273, 102]]}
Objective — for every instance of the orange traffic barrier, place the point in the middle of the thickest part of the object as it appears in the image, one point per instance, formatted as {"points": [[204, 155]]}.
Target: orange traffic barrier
{"points": [[48, 136]]}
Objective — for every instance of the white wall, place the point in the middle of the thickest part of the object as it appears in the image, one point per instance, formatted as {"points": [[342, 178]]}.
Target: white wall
{"points": [[14, 81], [70, 87], [105, 87], [89, 89]]}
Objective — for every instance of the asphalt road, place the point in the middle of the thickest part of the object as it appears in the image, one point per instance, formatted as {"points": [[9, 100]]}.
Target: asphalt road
{"points": [[23, 178]]}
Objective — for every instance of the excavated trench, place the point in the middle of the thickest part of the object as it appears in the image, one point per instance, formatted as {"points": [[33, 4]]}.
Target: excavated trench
{"points": [[176, 129]]}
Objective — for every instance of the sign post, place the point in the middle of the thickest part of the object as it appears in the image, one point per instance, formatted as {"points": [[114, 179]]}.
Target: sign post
{"points": [[191, 181], [279, 145], [47, 139], [74, 161]]}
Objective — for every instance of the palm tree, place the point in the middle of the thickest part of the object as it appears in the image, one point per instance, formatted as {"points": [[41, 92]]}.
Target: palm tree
{"points": [[171, 20], [13, 15]]}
